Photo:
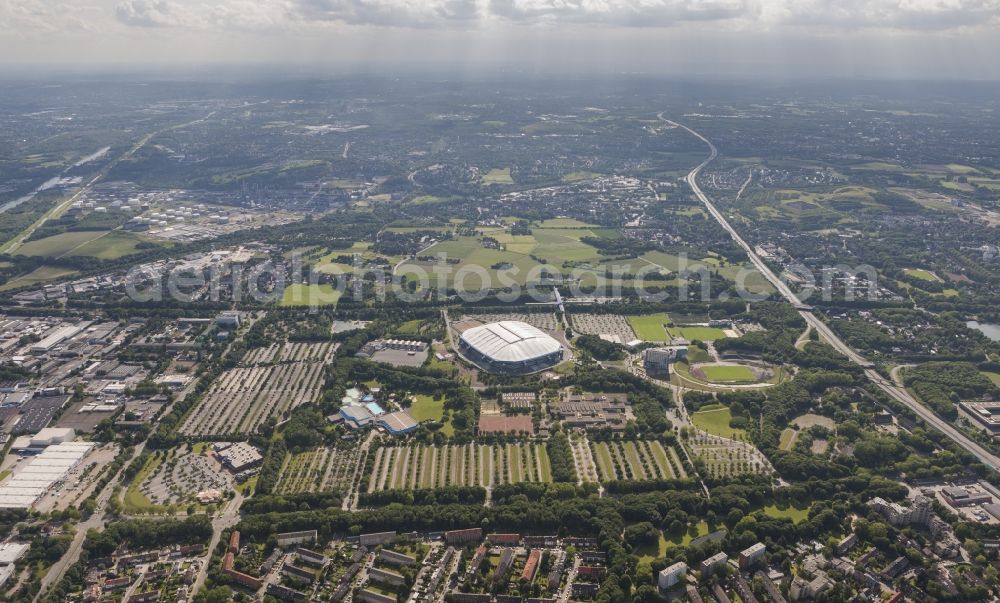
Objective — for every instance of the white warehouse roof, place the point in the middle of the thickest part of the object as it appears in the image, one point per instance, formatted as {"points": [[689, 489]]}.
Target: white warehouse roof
{"points": [[510, 341]]}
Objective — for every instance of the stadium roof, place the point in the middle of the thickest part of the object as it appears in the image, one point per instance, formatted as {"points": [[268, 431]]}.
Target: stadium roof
{"points": [[510, 341]]}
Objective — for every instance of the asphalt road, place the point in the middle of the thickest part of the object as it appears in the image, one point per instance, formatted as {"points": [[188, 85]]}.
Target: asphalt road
{"points": [[94, 522], [897, 393]]}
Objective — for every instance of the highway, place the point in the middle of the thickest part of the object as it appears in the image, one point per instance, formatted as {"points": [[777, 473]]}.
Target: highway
{"points": [[826, 334]]}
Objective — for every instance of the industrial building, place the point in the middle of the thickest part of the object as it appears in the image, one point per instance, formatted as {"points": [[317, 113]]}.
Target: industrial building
{"points": [[510, 348], [238, 457], [41, 474], [958, 497], [42, 440], [985, 413]]}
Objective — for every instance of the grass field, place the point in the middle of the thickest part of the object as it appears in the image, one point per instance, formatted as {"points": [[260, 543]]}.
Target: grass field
{"points": [[994, 377], [808, 420], [498, 176], [515, 262], [924, 275], [38, 275], [721, 373], [696, 531], [133, 500], [795, 514], [580, 176], [60, 244], [101, 244], [787, 439], [116, 244], [426, 408], [699, 333], [301, 294], [650, 327], [564, 223], [697, 355], [715, 420]]}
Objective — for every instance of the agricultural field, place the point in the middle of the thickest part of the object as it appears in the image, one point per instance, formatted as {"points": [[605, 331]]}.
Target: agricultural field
{"points": [[636, 460], [320, 470], [240, 399], [651, 327], [420, 467]]}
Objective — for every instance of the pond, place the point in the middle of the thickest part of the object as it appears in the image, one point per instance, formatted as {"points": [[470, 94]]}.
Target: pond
{"points": [[990, 330]]}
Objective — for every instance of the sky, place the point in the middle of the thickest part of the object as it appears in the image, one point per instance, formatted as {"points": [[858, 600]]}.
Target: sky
{"points": [[891, 39]]}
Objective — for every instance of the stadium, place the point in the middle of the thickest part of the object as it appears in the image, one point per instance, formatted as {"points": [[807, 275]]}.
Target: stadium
{"points": [[510, 348]]}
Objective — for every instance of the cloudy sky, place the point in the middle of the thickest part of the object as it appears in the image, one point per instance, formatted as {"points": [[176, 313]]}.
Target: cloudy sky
{"points": [[778, 38]]}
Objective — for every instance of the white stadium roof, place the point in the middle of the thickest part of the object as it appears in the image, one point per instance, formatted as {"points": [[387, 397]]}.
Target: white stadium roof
{"points": [[510, 341]]}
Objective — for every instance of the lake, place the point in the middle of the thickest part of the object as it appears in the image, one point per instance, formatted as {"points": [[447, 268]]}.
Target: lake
{"points": [[990, 330]]}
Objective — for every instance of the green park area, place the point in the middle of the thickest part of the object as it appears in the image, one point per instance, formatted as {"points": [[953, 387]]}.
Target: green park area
{"points": [[924, 275], [498, 176], [470, 256], [302, 294], [714, 419], [426, 408], [796, 514]]}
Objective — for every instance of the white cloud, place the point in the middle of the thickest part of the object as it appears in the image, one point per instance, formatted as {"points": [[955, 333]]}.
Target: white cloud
{"points": [[154, 13], [401, 13], [230, 14], [889, 14], [830, 15], [632, 13], [24, 17]]}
